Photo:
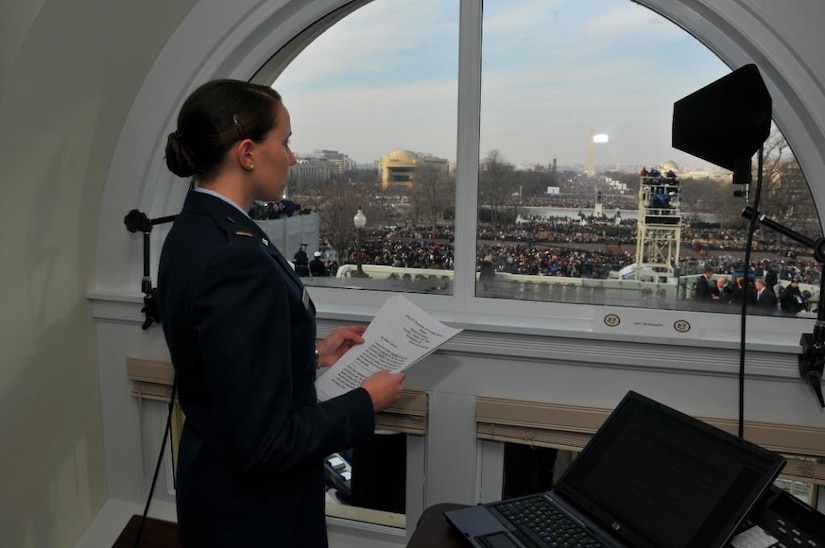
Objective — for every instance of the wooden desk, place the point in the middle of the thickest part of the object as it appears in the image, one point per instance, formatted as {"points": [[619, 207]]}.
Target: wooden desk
{"points": [[156, 534], [433, 530]]}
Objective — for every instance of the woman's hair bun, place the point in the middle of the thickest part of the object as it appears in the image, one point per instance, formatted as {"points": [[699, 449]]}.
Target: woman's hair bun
{"points": [[179, 160]]}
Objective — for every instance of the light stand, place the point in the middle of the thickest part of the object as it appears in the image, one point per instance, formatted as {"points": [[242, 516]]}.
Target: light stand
{"points": [[137, 221], [360, 221], [725, 123], [812, 359]]}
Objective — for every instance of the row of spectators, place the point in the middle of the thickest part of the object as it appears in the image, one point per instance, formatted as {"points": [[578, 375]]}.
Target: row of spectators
{"points": [[597, 230], [761, 292], [275, 210], [520, 251], [582, 201]]}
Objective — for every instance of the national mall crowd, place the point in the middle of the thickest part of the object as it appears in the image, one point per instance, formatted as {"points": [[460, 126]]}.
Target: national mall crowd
{"points": [[578, 246], [550, 247]]}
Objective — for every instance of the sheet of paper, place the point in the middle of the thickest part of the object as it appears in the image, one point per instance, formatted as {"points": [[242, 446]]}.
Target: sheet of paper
{"points": [[399, 336]]}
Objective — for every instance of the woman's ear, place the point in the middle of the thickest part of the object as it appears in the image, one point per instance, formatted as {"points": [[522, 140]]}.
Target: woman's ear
{"points": [[245, 152]]}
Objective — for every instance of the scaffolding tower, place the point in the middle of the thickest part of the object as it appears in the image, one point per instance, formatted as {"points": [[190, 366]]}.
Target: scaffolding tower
{"points": [[659, 230]]}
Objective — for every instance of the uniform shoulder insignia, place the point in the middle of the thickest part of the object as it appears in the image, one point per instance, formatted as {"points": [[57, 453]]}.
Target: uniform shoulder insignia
{"points": [[243, 233]]}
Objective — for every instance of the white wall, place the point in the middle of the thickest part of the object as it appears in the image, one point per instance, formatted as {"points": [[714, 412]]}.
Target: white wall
{"points": [[87, 92], [69, 72]]}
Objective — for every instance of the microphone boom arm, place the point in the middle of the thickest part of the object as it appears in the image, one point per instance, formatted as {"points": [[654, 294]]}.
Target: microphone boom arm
{"points": [[137, 221]]}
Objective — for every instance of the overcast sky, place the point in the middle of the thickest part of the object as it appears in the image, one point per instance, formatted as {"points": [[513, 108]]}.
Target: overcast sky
{"points": [[385, 78]]}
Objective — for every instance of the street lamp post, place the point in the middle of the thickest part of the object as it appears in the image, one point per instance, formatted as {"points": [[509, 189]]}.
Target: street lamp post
{"points": [[360, 220]]}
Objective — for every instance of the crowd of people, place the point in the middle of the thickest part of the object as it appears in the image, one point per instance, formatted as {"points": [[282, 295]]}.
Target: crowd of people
{"points": [[589, 229], [264, 210], [565, 247], [317, 267], [761, 293], [573, 199]]}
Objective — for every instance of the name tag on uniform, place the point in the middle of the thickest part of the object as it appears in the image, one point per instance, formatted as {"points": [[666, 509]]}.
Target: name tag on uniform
{"points": [[305, 298]]}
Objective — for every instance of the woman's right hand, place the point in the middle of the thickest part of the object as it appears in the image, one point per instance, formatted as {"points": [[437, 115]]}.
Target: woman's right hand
{"points": [[384, 388]]}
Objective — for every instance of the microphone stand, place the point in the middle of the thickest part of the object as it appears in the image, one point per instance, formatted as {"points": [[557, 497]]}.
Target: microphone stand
{"points": [[137, 221], [812, 359]]}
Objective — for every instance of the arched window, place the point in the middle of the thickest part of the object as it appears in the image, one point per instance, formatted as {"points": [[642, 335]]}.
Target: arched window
{"points": [[573, 193]]}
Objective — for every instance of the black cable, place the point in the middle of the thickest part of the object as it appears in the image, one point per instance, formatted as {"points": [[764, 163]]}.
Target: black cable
{"points": [[745, 292], [166, 432]]}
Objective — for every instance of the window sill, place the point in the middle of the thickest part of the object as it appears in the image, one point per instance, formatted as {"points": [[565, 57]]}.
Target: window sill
{"points": [[575, 334]]}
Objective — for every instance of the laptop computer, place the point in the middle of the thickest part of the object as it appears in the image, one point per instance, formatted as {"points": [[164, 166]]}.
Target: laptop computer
{"points": [[651, 477]]}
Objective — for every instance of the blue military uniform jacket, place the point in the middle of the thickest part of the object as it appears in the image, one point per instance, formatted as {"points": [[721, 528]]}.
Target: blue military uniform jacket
{"points": [[241, 332]]}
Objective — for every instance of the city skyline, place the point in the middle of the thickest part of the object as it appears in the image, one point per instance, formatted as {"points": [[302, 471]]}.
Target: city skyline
{"points": [[384, 78], [304, 155]]}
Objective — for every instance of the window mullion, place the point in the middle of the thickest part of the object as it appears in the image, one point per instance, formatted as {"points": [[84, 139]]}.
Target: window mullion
{"points": [[469, 111]]}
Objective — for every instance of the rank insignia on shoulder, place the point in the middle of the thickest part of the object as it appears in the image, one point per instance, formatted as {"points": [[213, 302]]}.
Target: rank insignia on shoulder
{"points": [[243, 233]]}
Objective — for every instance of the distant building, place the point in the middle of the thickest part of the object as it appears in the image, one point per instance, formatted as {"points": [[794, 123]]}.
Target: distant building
{"points": [[319, 166], [398, 169], [669, 165], [338, 160]]}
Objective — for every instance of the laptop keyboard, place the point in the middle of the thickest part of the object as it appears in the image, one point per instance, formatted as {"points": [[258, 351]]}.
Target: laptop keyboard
{"points": [[537, 517]]}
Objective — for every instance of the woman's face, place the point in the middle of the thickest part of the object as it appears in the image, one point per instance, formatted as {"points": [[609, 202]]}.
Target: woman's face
{"points": [[273, 159]]}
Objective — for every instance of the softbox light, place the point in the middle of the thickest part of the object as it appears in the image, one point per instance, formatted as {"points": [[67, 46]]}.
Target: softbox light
{"points": [[726, 121]]}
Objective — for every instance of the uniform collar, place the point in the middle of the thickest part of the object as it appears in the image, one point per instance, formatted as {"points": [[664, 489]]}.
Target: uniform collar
{"points": [[220, 197]]}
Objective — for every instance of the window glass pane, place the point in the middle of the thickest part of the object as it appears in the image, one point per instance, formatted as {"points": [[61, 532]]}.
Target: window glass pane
{"points": [[581, 196], [370, 476], [373, 109], [805, 492], [531, 469]]}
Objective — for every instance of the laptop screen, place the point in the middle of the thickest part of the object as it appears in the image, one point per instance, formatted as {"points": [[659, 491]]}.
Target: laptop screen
{"points": [[657, 477]]}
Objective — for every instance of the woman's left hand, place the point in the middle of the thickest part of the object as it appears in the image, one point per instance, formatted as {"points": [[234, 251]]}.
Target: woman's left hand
{"points": [[338, 342]]}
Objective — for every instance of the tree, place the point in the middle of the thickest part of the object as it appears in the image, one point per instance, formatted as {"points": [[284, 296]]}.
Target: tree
{"points": [[337, 203], [534, 183], [432, 194], [364, 175], [706, 195], [786, 196], [495, 184]]}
